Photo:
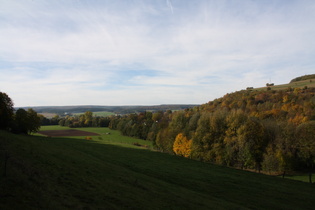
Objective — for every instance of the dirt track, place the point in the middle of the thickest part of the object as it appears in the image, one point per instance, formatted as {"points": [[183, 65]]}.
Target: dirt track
{"points": [[70, 132]]}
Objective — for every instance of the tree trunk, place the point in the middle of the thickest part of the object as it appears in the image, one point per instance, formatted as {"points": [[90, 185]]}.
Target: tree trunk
{"points": [[310, 177], [283, 174]]}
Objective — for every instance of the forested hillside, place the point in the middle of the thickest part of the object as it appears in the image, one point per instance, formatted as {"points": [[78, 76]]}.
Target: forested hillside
{"points": [[262, 130]]}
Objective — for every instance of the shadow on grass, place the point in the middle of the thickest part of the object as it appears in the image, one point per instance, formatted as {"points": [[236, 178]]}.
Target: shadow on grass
{"points": [[74, 173]]}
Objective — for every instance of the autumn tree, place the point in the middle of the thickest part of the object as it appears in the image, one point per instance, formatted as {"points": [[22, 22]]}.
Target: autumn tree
{"points": [[182, 146]]}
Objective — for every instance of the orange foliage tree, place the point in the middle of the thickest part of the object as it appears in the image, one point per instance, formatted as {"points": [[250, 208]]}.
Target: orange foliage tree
{"points": [[182, 146]]}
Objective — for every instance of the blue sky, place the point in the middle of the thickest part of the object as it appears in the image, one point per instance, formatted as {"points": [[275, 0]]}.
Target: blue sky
{"points": [[148, 52]]}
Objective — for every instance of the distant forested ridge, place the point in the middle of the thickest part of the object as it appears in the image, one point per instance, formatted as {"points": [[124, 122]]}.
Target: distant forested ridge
{"points": [[305, 77], [60, 110], [263, 130]]}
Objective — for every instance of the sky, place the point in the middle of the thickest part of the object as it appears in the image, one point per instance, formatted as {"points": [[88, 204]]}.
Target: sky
{"points": [[150, 52]]}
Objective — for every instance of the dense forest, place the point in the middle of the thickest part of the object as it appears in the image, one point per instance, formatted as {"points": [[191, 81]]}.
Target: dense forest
{"points": [[270, 130]]}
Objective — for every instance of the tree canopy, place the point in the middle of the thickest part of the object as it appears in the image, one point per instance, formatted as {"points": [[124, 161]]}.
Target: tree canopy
{"points": [[247, 129], [21, 121], [6, 111]]}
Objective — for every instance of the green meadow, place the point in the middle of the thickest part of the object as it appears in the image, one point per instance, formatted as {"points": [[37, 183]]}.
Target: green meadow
{"points": [[109, 172], [106, 136], [299, 84]]}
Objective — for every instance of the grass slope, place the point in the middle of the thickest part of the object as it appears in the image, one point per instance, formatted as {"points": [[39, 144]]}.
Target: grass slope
{"points": [[69, 173], [105, 136], [298, 84]]}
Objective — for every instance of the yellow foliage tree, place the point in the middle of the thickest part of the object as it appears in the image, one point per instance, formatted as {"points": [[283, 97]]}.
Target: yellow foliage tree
{"points": [[182, 146]]}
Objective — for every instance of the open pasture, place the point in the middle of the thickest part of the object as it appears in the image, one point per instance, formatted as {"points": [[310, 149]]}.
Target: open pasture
{"points": [[99, 134], [73, 173], [299, 84]]}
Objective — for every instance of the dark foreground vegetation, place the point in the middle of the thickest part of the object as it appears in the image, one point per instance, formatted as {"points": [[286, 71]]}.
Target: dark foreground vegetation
{"points": [[65, 173]]}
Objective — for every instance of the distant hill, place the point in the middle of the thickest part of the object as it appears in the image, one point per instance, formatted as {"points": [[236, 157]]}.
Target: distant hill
{"points": [[115, 109]]}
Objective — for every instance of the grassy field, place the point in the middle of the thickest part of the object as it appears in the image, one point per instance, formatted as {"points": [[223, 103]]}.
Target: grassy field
{"points": [[299, 84], [299, 177], [105, 136], [73, 173], [98, 114]]}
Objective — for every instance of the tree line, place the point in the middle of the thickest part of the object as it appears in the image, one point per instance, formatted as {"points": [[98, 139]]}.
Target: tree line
{"points": [[19, 121], [76, 121], [271, 130]]}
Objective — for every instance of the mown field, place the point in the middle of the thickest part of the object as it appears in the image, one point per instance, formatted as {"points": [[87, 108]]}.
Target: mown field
{"points": [[106, 136], [98, 114], [111, 173], [299, 84]]}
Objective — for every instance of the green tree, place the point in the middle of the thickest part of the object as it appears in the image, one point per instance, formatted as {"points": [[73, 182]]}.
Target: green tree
{"points": [[20, 122], [88, 117], [305, 134], [202, 143], [252, 143], [217, 133], [286, 147], [163, 141], [6, 111], [234, 121], [33, 121], [26, 121]]}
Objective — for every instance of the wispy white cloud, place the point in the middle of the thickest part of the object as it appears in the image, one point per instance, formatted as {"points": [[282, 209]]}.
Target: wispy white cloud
{"points": [[141, 52]]}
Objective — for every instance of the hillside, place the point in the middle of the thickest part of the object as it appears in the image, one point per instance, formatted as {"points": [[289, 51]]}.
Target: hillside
{"points": [[299, 82], [64, 173], [305, 77], [262, 130]]}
